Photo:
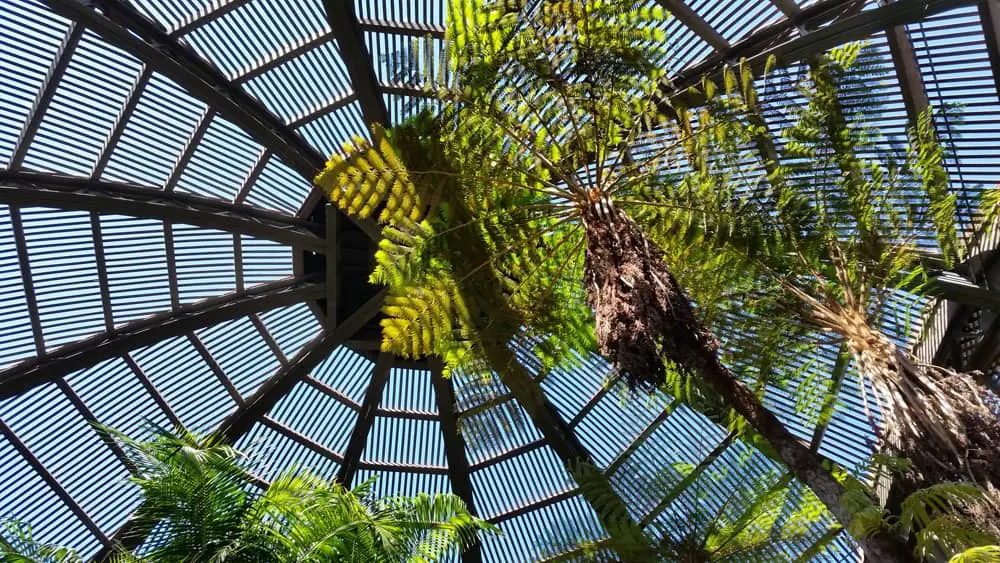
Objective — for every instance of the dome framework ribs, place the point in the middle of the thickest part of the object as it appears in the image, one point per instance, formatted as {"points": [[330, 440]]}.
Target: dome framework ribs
{"points": [[366, 418], [828, 23], [684, 14], [120, 25], [346, 30], [989, 14], [109, 198], [30, 295], [89, 351], [163, 51], [44, 98], [54, 484], [454, 449], [121, 121]]}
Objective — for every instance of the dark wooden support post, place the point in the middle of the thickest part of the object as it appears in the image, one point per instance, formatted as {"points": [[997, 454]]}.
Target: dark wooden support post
{"points": [[366, 418], [332, 263], [989, 13], [787, 7], [695, 23], [904, 61], [27, 281], [43, 189], [344, 23], [454, 449]]}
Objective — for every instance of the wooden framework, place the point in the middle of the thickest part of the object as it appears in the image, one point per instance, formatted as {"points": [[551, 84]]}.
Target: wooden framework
{"points": [[805, 32]]}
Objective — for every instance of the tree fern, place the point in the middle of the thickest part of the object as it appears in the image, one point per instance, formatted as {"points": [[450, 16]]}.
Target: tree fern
{"points": [[834, 236]]}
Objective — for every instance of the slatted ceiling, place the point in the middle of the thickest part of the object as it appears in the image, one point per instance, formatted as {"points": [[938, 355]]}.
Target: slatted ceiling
{"points": [[683, 46], [278, 187], [401, 108], [903, 317], [221, 162], [431, 12], [782, 403], [64, 273], [155, 134], [844, 442], [276, 452], [816, 530], [240, 350], [405, 441], [571, 389], [26, 63], [83, 109], [736, 20], [498, 430], [347, 372], [683, 437], [275, 24], [263, 260], [403, 483], [501, 487], [614, 422], [105, 387], [136, 264], [951, 52], [472, 391], [317, 416], [405, 59], [204, 259], [303, 83], [733, 481], [34, 502], [173, 13], [544, 532], [409, 389], [14, 316], [292, 327], [69, 448], [186, 382], [329, 132]]}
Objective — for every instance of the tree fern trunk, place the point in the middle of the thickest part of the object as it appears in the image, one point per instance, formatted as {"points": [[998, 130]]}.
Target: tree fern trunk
{"points": [[936, 418], [644, 319]]}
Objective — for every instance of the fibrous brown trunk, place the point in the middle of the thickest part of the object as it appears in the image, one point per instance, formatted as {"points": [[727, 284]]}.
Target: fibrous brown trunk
{"points": [[644, 319], [937, 419]]}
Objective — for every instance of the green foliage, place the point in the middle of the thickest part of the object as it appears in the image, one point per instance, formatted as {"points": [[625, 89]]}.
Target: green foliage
{"points": [[982, 554], [482, 237], [18, 545], [203, 503], [750, 525], [936, 517]]}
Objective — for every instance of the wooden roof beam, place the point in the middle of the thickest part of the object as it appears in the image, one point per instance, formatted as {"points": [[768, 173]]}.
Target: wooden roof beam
{"points": [[346, 29], [366, 418], [454, 449], [68, 192], [693, 21], [87, 352]]}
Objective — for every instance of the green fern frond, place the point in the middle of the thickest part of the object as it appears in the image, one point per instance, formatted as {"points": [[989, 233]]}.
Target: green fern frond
{"points": [[982, 554]]}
